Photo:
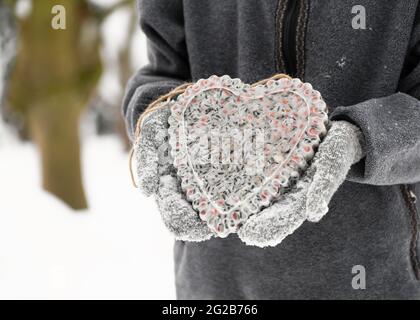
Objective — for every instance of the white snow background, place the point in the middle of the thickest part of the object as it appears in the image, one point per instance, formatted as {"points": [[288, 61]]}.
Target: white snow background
{"points": [[117, 249]]}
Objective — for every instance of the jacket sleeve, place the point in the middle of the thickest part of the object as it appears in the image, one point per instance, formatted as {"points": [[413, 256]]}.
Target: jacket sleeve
{"points": [[162, 22], [391, 127]]}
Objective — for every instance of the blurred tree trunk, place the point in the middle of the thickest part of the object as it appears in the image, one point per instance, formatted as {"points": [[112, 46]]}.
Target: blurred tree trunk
{"points": [[56, 134], [56, 72]]}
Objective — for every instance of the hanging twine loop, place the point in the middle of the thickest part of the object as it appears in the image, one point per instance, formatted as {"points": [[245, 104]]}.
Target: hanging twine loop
{"points": [[162, 101]]}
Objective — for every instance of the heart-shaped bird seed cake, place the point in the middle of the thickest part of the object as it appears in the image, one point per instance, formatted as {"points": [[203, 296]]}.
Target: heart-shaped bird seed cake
{"points": [[237, 147]]}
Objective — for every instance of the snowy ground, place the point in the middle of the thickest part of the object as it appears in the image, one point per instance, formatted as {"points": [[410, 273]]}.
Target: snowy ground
{"points": [[118, 249]]}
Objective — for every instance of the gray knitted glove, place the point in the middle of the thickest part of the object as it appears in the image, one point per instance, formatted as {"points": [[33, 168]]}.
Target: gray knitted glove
{"points": [[151, 151], [309, 199], [156, 176], [178, 215]]}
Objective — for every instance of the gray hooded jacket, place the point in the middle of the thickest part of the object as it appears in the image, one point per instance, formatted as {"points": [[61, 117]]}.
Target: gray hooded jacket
{"points": [[369, 74]]}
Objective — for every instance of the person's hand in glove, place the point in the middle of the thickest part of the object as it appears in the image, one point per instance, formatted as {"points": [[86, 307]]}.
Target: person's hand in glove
{"points": [[309, 199], [156, 176]]}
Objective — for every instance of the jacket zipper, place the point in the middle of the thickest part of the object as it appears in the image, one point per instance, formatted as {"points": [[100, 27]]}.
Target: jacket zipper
{"points": [[291, 20], [291, 16], [410, 201]]}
